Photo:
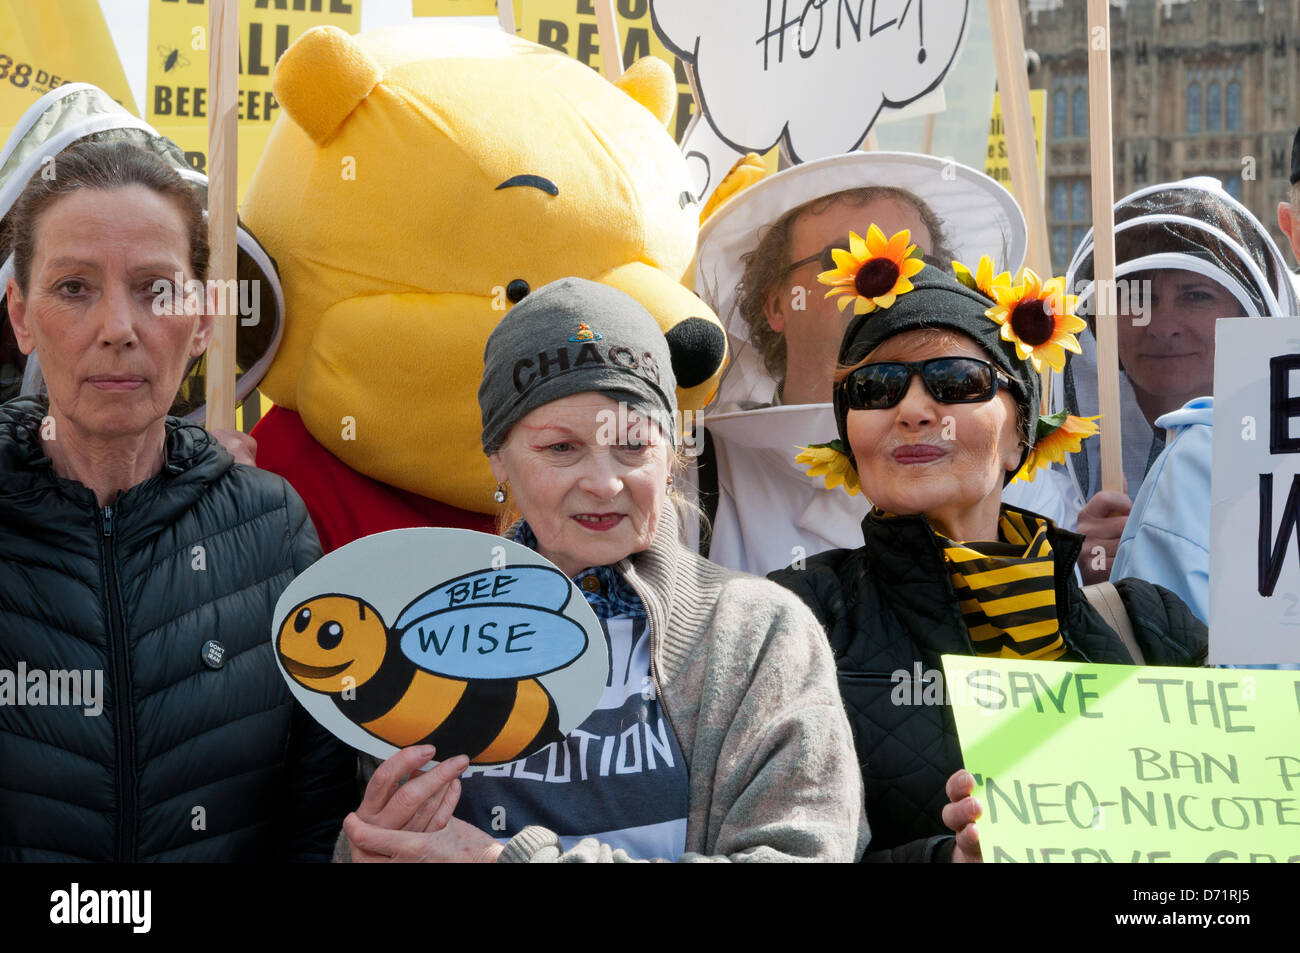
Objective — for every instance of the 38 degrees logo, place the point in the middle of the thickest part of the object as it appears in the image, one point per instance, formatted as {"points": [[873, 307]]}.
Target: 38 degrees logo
{"points": [[77, 906]]}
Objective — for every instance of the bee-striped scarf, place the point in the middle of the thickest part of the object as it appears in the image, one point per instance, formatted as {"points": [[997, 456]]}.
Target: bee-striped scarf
{"points": [[1007, 590]]}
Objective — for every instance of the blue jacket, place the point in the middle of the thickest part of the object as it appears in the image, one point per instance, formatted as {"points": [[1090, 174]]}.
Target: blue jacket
{"points": [[1167, 537]]}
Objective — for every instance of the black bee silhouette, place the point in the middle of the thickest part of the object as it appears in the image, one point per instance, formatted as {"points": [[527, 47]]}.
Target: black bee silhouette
{"points": [[172, 58]]}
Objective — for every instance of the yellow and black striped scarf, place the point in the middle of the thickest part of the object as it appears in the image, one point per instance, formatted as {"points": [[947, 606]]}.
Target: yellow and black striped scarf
{"points": [[1007, 590]]}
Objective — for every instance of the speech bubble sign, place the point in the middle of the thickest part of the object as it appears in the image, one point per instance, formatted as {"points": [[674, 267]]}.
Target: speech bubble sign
{"points": [[816, 72], [463, 640]]}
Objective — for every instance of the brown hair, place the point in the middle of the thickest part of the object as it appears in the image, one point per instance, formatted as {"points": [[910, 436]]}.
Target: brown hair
{"points": [[103, 166], [766, 264]]}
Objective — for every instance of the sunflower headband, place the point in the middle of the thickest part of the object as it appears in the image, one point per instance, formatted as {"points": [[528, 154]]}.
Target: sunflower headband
{"points": [[1035, 317]]}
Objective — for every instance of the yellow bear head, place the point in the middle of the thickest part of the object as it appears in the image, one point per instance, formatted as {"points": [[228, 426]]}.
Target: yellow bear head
{"points": [[420, 181]]}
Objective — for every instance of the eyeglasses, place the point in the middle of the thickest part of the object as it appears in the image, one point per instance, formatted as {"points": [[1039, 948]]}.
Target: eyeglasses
{"points": [[827, 260], [950, 380]]}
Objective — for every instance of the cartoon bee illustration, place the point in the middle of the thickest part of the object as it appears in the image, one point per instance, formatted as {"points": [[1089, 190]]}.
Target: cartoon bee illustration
{"points": [[338, 645], [172, 58]]}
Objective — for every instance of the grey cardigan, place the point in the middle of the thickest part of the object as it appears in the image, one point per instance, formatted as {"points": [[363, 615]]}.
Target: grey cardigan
{"points": [[747, 680]]}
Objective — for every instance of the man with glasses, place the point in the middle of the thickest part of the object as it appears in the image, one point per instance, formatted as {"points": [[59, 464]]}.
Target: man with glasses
{"points": [[757, 265]]}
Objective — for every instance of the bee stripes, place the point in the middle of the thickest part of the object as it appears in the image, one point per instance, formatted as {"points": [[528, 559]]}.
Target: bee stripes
{"points": [[1007, 591], [339, 646]]}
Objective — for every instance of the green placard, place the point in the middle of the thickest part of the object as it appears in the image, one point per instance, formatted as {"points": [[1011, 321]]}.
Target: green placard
{"points": [[1119, 763]]}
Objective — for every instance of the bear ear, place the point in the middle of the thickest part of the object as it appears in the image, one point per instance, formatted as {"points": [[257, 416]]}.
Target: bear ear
{"points": [[650, 82], [322, 78]]}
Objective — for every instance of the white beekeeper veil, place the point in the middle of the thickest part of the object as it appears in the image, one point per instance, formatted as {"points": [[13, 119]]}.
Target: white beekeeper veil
{"points": [[1192, 225], [66, 115]]}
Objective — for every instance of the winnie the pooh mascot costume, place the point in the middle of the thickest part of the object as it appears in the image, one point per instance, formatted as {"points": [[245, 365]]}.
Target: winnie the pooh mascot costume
{"points": [[421, 181]]}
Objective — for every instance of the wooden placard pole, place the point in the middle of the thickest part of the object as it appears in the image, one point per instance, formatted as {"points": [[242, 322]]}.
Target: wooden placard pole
{"points": [[611, 52], [506, 15], [1103, 248], [1018, 123], [223, 189]]}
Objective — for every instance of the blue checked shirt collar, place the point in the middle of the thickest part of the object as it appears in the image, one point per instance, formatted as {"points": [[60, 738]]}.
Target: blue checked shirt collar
{"points": [[610, 596]]}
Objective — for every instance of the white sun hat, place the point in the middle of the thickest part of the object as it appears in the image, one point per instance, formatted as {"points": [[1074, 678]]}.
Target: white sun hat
{"points": [[978, 215]]}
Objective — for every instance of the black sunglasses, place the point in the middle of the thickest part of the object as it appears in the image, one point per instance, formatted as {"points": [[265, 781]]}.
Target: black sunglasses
{"points": [[827, 260], [950, 380]]}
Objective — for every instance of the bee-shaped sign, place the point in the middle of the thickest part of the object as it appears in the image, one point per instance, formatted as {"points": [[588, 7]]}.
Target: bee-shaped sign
{"points": [[460, 666]]}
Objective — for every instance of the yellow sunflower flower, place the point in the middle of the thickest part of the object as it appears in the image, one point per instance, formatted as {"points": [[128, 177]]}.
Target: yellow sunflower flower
{"points": [[982, 279], [1039, 317], [1058, 434], [873, 272], [831, 460]]}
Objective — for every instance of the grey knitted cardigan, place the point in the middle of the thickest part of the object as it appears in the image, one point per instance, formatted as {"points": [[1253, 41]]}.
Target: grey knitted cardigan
{"points": [[748, 683]]}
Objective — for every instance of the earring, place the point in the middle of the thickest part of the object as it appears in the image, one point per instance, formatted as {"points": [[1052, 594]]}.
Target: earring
{"points": [[500, 494], [669, 489]]}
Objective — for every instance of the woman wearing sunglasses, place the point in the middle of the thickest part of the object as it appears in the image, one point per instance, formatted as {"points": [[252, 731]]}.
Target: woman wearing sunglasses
{"points": [[934, 407]]}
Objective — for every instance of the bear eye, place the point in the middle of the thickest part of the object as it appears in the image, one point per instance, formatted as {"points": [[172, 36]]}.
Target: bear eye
{"points": [[517, 290], [302, 620], [330, 635]]}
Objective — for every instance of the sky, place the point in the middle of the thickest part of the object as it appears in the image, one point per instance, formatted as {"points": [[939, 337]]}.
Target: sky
{"points": [[128, 21]]}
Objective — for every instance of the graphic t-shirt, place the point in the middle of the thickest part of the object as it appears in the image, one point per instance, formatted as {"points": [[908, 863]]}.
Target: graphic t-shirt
{"points": [[619, 776]]}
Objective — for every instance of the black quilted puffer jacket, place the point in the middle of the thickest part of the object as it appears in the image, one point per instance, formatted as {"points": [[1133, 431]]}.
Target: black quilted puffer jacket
{"points": [[890, 605], [188, 760]]}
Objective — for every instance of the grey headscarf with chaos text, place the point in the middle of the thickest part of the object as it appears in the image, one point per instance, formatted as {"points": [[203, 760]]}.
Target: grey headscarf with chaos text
{"points": [[575, 336]]}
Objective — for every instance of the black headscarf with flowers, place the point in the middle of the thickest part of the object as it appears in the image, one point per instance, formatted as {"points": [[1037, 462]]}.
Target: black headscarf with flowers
{"points": [[937, 300]]}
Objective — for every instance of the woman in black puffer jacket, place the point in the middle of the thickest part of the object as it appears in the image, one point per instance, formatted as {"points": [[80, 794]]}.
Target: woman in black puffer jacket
{"points": [[142, 713], [946, 568]]}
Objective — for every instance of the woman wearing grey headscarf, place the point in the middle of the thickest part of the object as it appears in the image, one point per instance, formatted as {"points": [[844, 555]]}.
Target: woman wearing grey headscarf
{"points": [[730, 674]]}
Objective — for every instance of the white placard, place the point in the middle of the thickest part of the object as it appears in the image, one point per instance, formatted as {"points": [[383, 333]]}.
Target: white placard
{"points": [[817, 73], [401, 634], [1255, 553]]}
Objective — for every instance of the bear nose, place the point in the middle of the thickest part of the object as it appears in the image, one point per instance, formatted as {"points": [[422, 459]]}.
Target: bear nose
{"points": [[697, 347]]}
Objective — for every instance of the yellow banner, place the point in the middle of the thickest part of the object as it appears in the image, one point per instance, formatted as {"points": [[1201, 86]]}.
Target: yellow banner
{"points": [[46, 43], [996, 164], [177, 90], [458, 8], [570, 27]]}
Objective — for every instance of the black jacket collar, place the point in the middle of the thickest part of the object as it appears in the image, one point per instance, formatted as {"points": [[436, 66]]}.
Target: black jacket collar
{"points": [[29, 487], [905, 556]]}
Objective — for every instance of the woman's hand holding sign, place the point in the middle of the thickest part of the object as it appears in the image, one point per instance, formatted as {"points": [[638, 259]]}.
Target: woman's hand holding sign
{"points": [[412, 822], [960, 815]]}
